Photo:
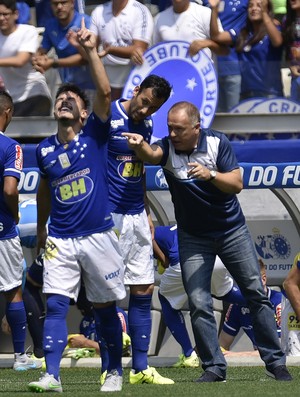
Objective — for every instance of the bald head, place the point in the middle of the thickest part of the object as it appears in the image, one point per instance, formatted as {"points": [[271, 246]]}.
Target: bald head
{"points": [[190, 109]]}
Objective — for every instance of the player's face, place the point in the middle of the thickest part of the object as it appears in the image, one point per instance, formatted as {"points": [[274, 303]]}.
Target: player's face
{"points": [[183, 134], [69, 106], [62, 9], [7, 19], [143, 104]]}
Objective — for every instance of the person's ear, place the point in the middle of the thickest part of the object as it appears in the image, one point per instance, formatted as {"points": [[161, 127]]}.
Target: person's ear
{"points": [[136, 90], [84, 114]]}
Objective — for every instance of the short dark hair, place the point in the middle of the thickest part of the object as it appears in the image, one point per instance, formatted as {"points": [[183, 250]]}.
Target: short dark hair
{"points": [[161, 87], [73, 88], [6, 101], [10, 4]]}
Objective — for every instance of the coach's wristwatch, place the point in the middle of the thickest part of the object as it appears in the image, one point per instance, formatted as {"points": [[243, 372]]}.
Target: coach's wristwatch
{"points": [[213, 174]]}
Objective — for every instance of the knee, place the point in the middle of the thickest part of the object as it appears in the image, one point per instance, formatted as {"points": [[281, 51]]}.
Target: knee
{"points": [[57, 306]]}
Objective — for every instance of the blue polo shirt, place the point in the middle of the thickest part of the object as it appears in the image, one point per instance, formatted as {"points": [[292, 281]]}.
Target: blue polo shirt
{"points": [[233, 16], [55, 36], [201, 209]]}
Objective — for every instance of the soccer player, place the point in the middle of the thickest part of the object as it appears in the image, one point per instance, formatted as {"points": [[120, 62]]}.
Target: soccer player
{"points": [[239, 316], [11, 269], [290, 328], [127, 203], [73, 190]]}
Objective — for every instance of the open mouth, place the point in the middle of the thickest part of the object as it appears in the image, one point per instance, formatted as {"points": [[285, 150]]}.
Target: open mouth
{"points": [[65, 107]]}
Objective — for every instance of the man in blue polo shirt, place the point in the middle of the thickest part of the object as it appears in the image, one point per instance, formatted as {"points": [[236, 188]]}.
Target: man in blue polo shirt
{"points": [[204, 178], [71, 66]]}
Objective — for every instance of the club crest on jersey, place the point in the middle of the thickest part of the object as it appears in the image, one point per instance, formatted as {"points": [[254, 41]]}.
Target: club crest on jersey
{"points": [[193, 79], [64, 160]]}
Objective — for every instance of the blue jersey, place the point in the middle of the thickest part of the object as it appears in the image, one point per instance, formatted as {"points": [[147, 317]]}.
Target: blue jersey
{"points": [[238, 317], [11, 164], [166, 238], [201, 209], [24, 12], [125, 170], [260, 66], [233, 15], [55, 36], [77, 176]]}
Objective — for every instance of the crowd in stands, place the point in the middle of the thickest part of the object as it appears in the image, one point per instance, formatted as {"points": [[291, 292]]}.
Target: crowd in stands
{"points": [[249, 41]]}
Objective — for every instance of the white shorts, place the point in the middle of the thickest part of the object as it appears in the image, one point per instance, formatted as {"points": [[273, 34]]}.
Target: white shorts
{"points": [[290, 329], [118, 74], [171, 285], [221, 280], [96, 258], [11, 264], [136, 246]]}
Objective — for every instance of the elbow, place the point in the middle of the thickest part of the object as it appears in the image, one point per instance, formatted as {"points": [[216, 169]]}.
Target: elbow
{"points": [[286, 285], [238, 188]]}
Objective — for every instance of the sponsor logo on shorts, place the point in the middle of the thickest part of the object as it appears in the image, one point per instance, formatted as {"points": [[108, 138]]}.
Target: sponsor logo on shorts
{"points": [[112, 275]]}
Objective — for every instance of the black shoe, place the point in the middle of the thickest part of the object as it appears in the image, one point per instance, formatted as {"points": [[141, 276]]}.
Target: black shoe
{"points": [[209, 376], [280, 373]]}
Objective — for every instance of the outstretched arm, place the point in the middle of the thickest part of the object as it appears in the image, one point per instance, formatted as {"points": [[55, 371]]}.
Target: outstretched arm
{"points": [[215, 34], [151, 154], [102, 102]]}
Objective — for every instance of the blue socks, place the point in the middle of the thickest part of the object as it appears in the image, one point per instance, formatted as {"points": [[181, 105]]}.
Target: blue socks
{"points": [[55, 332], [109, 332], [35, 312], [176, 324], [234, 296], [139, 320], [16, 318]]}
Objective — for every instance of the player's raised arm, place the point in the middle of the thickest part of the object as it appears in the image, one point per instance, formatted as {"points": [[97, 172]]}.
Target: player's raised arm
{"points": [[102, 102], [151, 154]]}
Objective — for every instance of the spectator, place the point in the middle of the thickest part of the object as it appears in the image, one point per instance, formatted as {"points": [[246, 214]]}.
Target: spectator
{"points": [[24, 15], [239, 317], [43, 10], [18, 43], [259, 49], [124, 29], [204, 177], [72, 67], [233, 16], [172, 295], [73, 178], [11, 268], [188, 21], [290, 329], [291, 34]]}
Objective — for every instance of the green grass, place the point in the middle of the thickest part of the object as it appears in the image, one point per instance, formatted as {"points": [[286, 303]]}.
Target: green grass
{"points": [[84, 382]]}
